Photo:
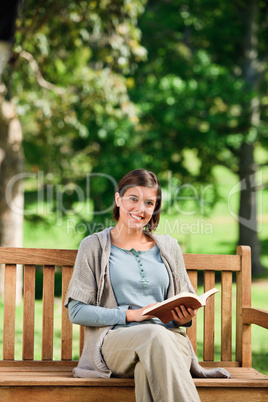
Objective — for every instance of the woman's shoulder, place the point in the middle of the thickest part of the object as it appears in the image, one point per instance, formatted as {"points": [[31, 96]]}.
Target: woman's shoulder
{"points": [[165, 240], [163, 237], [95, 240]]}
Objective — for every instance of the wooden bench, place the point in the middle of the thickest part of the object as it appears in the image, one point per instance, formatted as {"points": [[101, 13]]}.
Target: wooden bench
{"points": [[48, 379]]}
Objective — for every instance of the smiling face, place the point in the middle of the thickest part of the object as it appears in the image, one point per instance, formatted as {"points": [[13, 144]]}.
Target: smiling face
{"points": [[136, 206]]}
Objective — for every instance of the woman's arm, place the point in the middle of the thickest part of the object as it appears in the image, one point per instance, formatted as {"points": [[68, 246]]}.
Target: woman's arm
{"points": [[95, 316]]}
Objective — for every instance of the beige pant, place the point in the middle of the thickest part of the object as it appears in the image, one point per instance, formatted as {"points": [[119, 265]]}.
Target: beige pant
{"points": [[159, 359]]}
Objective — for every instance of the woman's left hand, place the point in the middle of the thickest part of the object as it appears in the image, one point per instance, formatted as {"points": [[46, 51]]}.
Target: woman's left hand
{"points": [[182, 316]]}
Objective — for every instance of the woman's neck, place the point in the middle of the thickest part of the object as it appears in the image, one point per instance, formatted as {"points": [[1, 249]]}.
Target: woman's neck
{"points": [[122, 236]]}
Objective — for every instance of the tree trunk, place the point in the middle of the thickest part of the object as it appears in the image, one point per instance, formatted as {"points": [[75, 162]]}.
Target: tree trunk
{"points": [[248, 230], [11, 189]]}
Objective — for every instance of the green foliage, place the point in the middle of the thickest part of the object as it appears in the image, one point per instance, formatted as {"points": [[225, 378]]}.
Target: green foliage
{"points": [[84, 50], [189, 93], [138, 84], [195, 91]]}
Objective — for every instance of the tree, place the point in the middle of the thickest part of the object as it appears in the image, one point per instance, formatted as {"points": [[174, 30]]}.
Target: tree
{"points": [[68, 59], [204, 87]]}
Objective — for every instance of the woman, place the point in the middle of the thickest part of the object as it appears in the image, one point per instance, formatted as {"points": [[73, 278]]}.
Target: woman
{"points": [[118, 273]]}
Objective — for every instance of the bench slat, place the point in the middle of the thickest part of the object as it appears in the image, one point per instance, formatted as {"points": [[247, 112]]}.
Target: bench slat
{"points": [[37, 256], [28, 313], [17, 255], [209, 316], [48, 311], [243, 299], [81, 340], [66, 325], [192, 331], [226, 316], [214, 262], [9, 312]]}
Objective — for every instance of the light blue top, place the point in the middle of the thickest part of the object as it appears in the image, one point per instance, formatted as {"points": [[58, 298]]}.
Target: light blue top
{"points": [[138, 278], [139, 281]]}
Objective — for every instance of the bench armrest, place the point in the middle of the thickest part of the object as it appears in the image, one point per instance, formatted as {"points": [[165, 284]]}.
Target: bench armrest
{"points": [[255, 316]]}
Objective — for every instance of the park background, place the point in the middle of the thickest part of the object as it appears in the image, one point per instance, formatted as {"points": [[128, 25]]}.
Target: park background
{"points": [[91, 90]]}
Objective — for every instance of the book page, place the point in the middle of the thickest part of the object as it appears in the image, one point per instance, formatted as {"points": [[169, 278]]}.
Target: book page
{"points": [[203, 298]]}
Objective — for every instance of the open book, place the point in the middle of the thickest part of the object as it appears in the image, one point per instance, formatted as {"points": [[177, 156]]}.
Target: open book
{"points": [[163, 309]]}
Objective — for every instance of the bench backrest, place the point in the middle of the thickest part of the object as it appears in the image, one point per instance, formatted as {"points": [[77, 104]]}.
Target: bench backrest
{"points": [[63, 260]]}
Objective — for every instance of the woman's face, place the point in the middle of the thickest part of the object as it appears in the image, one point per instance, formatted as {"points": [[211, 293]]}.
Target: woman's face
{"points": [[136, 206]]}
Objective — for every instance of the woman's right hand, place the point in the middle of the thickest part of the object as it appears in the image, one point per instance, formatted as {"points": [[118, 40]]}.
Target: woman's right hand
{"points": [[136, 315]]}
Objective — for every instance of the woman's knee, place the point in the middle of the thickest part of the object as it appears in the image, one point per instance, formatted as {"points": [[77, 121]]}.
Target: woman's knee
{"points": [[152, 330], [155, 335]]}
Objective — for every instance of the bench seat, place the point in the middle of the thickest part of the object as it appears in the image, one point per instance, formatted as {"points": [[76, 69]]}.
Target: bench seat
{"points": [[45, 381]]}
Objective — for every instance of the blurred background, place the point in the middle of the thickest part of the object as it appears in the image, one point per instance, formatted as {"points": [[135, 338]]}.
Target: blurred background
{"points": [[92, 89]]}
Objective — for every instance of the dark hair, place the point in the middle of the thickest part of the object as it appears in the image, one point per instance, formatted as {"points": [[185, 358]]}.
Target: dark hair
{"points": [[143, 178]]}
